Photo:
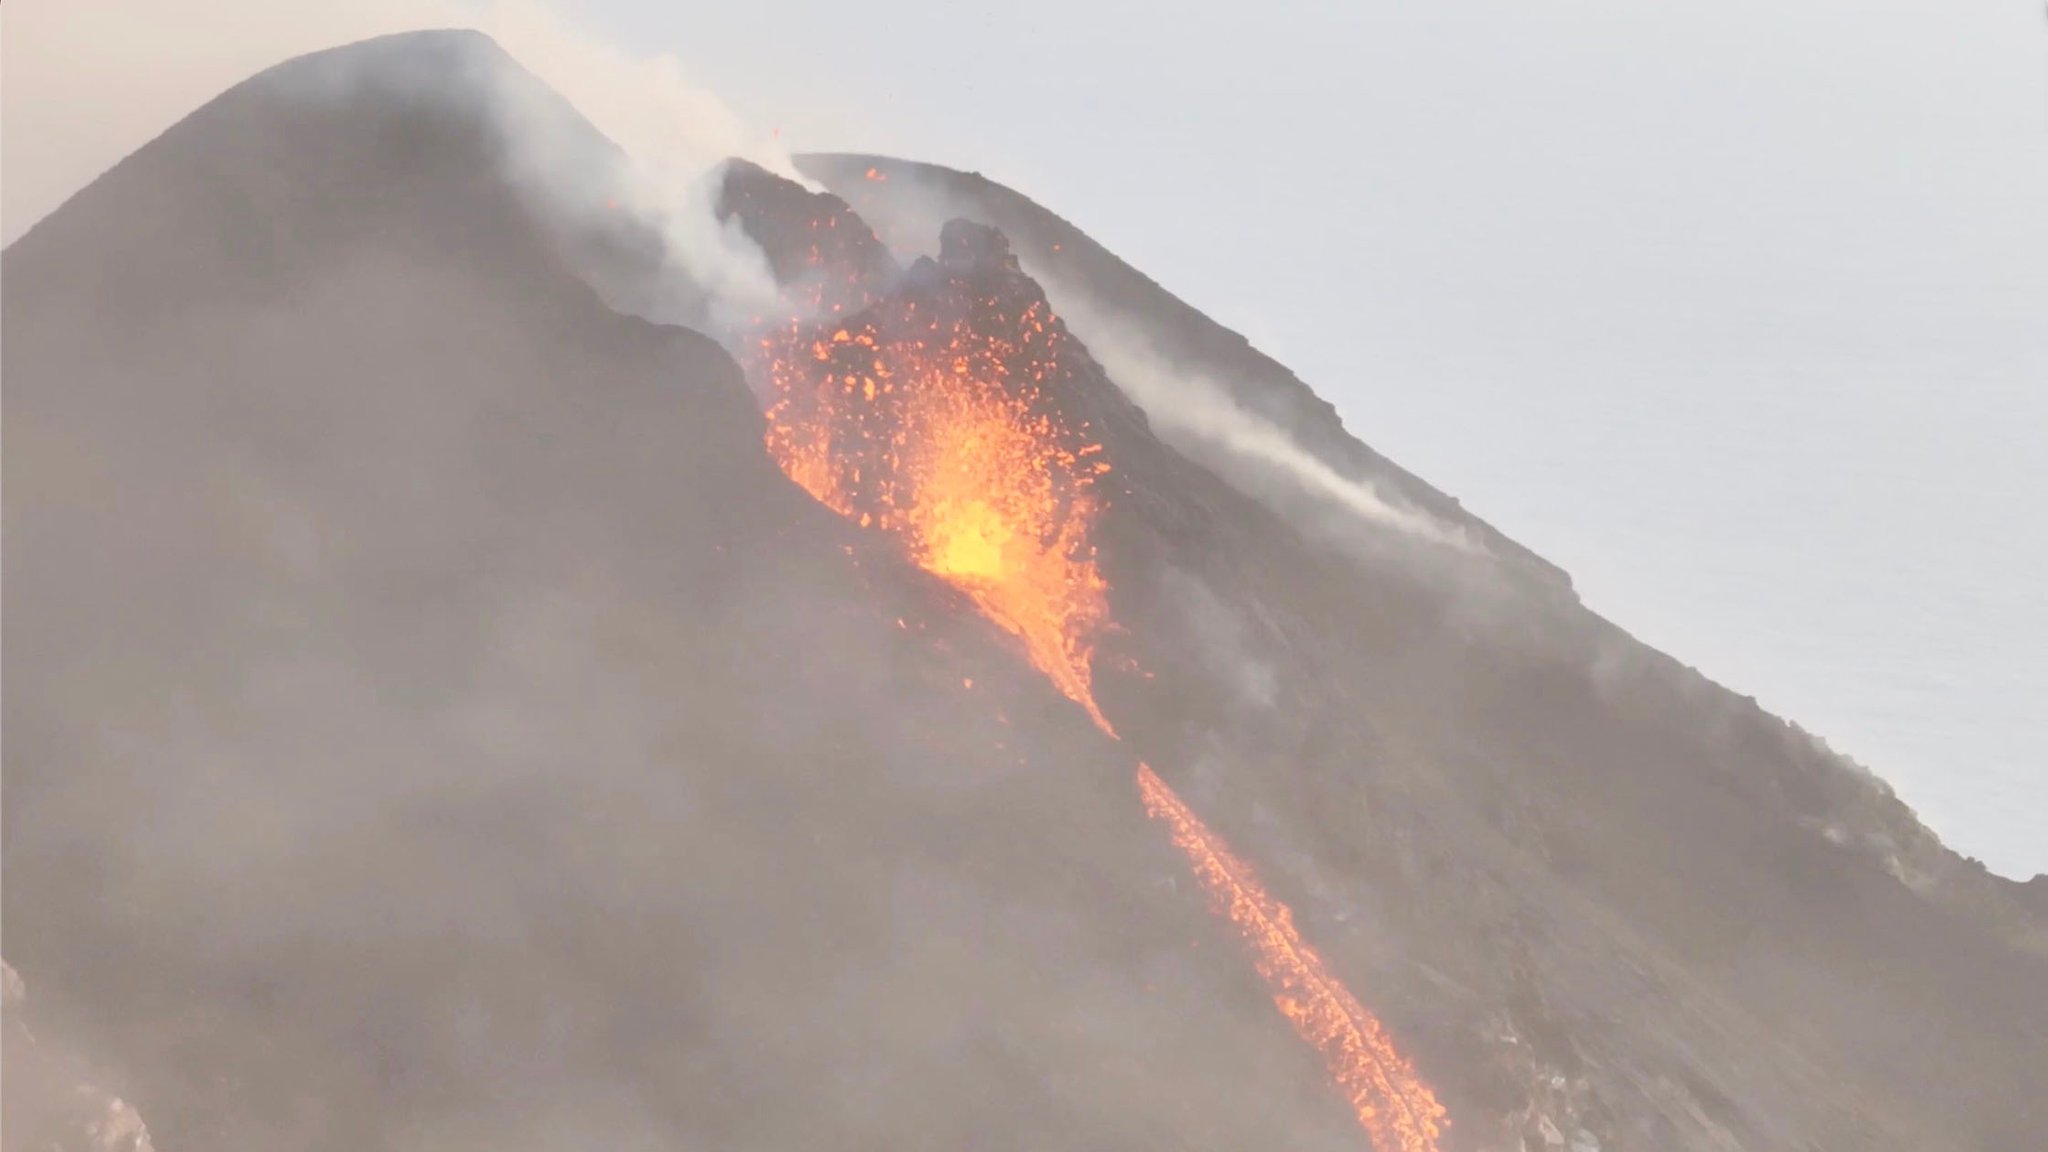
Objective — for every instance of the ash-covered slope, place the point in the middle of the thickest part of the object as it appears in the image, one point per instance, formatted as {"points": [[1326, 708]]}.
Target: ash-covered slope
{"points": [[1596, 894], [434, 723]]}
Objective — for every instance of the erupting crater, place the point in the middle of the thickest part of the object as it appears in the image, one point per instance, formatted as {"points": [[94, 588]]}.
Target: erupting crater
{"points": [[925, 414]]}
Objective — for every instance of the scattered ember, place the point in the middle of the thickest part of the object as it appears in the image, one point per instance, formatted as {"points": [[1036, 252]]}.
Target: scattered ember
{"points": [[923, 414]]}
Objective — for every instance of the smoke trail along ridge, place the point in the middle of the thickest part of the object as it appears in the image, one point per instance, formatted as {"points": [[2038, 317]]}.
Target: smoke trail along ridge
{"points": [[930, 423]]}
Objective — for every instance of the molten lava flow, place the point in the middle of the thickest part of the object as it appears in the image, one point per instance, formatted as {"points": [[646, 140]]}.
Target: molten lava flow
{"points": [[931, 424], [1394, 1106]]}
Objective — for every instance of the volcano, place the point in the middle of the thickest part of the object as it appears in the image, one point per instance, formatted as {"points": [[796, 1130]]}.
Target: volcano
{"points": [[455, 703]]}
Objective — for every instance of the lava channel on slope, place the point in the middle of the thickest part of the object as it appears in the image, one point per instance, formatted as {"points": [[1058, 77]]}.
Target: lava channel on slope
{"points": [[924, 415]]}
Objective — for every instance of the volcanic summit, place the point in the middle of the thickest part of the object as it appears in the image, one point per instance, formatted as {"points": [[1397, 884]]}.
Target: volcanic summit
{"points": [[454, 702]]}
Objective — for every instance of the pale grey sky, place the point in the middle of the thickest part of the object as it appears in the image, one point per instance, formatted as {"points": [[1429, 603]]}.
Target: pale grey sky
{"points": [[1738, 310]]}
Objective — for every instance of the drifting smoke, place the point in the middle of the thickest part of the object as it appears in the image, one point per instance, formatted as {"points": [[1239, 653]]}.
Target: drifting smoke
{"points": [[923, 417], [1192, 410], [50, 1101], [560, 748], [565, 785], [673, 136], [90, 82]]}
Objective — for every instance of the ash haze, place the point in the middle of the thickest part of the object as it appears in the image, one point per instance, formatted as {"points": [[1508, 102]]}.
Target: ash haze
{"points": [[1734, 310]]}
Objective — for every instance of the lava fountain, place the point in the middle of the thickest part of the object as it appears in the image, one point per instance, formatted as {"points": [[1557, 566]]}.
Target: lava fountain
{"points": [[924, 416]]}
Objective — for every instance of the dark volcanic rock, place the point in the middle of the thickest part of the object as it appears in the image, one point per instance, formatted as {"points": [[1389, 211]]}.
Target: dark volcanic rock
{"points": [[966, 245], [905, 199], [433, 722], [814, 243], [1549, 856]]}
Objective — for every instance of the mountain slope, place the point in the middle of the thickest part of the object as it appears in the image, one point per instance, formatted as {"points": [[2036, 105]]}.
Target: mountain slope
{"points": [[906, 198], [1711, 930], [433, 722]]}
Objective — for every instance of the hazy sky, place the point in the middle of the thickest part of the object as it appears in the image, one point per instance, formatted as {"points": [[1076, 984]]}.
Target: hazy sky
{"points": [[1737, 310]]}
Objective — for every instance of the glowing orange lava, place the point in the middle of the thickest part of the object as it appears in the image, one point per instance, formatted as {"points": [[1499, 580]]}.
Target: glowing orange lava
{"points": [[933, 426], [919, 431], [1393, 1105]]}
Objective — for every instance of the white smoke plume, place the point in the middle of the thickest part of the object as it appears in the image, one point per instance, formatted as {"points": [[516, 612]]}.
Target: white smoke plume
{"points": [[673, 134], [1190, 409], [89, 81]]}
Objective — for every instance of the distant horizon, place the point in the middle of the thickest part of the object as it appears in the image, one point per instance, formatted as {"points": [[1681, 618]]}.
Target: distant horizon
{"points": [[1732, 313]]}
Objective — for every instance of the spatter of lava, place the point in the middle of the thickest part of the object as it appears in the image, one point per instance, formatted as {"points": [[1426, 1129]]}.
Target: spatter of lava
{"points": [[925, 415], [910, 420]]}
